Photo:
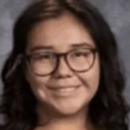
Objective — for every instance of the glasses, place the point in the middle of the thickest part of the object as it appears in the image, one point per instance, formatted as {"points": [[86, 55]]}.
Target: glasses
{"points": [[45, 63]]}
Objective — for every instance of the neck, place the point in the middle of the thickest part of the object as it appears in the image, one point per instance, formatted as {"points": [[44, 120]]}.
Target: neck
{"points": [[77, 121]]}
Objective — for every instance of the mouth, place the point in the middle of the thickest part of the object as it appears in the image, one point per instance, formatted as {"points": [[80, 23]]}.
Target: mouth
{"points": [[63, 91]]}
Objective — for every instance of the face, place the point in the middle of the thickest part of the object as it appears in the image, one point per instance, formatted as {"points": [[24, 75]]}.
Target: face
{"points": [[64, 90]]}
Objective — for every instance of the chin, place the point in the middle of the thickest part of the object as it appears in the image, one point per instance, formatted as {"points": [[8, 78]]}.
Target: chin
{"points": [[70, 110]]}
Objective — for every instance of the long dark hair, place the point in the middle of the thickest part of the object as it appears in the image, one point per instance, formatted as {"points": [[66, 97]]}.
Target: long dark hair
{"points": [[108, 108]]}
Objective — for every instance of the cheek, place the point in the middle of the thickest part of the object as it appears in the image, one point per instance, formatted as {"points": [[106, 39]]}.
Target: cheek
{"points": [[91, 78], [38, 86]]}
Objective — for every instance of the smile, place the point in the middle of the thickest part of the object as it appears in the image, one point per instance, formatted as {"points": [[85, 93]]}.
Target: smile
{"points": [[64, 91]]}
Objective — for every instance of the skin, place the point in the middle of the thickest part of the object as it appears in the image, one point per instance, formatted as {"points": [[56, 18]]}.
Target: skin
{"points": [[68, 112]]}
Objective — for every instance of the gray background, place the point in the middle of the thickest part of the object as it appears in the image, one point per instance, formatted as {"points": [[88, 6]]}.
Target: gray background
{"points": [[116, 12]]}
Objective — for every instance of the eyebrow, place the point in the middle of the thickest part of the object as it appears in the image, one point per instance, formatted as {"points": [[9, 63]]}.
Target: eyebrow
{"points": [[36, 48], [75, 45], [82, 45]]}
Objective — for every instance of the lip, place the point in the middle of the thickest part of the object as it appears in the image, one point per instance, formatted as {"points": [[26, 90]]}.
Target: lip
{"points": [[63, 91], [62, 87]]}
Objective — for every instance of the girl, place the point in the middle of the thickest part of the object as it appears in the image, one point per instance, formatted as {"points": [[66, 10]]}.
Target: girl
{"points": [[64, 71]]}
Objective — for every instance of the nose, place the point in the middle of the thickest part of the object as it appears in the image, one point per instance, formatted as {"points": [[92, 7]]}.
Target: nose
{"points": [[62, 69]]}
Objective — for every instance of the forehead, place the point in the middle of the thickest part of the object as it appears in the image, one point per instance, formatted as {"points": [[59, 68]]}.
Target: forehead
{"points": [[59, 34]]}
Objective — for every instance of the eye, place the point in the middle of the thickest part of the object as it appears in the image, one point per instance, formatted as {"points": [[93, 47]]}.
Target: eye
{"points": [[81, 53], [43, 56]]}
